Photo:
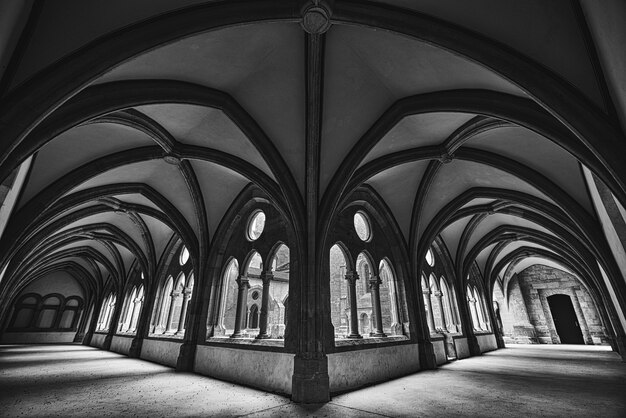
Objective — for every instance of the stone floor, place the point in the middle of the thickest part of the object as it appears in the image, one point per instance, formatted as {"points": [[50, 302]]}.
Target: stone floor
{"points": [[524, 381]]}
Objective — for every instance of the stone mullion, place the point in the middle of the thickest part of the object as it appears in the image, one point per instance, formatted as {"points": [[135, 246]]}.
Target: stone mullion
{"points": [[352, 277], [242, 305], [170, 312], [429, 305], [113, 320], [374, 283], [183, 311], [266, 277], [442, 310]]}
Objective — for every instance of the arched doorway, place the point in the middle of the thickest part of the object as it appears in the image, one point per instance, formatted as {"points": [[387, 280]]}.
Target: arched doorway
{"points": [[565, 320]]}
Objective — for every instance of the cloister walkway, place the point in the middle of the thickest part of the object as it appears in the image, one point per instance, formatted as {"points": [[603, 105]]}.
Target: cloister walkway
{"points": [[524, 381]]}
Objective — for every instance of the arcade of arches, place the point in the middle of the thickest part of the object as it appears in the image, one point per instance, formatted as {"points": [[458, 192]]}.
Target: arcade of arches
{"points": [[325, 194]]}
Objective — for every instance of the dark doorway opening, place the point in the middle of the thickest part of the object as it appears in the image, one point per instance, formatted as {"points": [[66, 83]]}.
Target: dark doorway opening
{"points": [[565, 319]]}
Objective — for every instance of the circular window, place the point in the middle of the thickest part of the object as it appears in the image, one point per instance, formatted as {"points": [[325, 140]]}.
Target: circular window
{"points": [[430, 259], [184, 256], [255, 295], [362, 226], [256, 225]]}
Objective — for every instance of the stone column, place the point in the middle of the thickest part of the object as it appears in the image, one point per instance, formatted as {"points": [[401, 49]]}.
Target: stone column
{"points": [[170, 313], [429, 304], [242, 305], [183, 311], [474, 313], [132, 327], [374, 283], [266, 277], [444, 322], [352, 277]]}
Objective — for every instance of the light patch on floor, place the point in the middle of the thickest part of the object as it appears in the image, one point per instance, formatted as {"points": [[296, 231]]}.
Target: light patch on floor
{"points": [[522, 380]]}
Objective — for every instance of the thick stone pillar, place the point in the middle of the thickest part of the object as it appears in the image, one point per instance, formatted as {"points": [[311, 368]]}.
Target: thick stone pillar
{"points": [[183, 311], [91, 328], [426, 350], [467, 325], [143, 323], [374, 283], [242, 306], [266, 277], [352, 277]]}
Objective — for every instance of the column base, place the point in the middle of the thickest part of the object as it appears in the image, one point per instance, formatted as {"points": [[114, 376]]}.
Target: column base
{"points": [[472, 343], [378, 334], [79, 337], [310, 382], [238, 336], [427, 355], [135, 347], [107, 342], [186, 357], [262, 337], [354, 336], [87, 338]]}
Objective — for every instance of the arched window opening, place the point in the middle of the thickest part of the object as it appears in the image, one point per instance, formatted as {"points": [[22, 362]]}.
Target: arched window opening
{"points": [[480, 310], [389, 300], [473, 302], [176, 305], [253, 321], [137, 304], [435, 303], [106, 313], [339, 302], [274, 286], [449, 314], [184, 256], [229, 299], [25, 312], [430, 258], [428, 305], [127, 311], [163, 307], [49, 312]]}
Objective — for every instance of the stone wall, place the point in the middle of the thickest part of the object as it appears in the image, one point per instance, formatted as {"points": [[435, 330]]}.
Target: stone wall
{"points": [[525, 312]]}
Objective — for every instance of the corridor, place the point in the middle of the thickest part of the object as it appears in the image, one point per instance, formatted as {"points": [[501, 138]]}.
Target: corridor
{"points": [[538, 380]]}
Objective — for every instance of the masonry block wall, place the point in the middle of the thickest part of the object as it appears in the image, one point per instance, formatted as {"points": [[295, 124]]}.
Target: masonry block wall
{"points": [[526, 314]]}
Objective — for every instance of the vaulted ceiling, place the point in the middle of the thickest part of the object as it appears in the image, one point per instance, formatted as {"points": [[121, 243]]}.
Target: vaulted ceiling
{"points": [[152, 121]]}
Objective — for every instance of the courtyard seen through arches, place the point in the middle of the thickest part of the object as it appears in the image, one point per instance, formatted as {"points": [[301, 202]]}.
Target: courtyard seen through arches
{"points": [[329, 194]]}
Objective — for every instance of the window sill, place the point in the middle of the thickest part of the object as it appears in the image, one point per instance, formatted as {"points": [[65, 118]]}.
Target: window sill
{"points": [[349, 342], [269, 342]]}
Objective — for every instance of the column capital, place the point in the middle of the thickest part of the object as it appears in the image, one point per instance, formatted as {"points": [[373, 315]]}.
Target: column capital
{"points": [[243, 282], [352, 276], [438, 294], [374, 282]]}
